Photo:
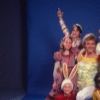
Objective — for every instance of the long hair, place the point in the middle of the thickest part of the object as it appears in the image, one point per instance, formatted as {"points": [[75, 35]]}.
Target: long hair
{"points": [[62, 49]]}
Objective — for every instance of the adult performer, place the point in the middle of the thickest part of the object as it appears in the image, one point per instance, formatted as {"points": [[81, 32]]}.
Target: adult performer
{"points": [[87, 67]]}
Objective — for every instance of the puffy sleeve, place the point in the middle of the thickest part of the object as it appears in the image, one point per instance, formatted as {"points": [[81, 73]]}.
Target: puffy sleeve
{"points": [[57, 56]]}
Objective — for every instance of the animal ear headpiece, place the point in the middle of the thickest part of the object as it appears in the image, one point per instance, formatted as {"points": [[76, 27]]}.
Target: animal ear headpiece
{"points": [[65, 73]]}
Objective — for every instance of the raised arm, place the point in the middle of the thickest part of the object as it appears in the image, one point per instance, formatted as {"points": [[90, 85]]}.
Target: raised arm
{"points": [[62, 23]]}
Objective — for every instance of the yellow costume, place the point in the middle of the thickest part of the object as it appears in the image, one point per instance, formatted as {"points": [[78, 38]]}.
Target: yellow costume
{"points": [[96, 95], [87, 69]]}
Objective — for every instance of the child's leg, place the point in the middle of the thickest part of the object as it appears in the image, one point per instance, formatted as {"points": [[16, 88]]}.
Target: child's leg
{"points": [[85, 93]]}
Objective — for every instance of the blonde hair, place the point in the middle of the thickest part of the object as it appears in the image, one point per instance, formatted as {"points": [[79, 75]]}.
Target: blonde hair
{"points": [[89, 36], [62, 49]]}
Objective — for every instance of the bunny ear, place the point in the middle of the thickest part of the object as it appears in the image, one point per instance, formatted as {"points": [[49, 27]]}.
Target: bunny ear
{"points": [[65, 70], [73, 72]]}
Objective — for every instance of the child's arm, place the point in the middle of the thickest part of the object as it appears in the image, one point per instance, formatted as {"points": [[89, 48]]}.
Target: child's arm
{"points": [[62, 23]]}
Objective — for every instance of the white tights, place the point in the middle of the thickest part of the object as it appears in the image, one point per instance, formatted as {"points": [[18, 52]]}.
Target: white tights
{"points": [[85, 93]]}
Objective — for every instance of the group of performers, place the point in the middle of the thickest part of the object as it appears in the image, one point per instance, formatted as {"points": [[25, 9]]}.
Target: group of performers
{"points": [[76, 71]]}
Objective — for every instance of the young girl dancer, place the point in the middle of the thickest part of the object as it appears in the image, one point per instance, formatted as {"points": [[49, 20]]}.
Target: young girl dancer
{"points": [[65, 55]]}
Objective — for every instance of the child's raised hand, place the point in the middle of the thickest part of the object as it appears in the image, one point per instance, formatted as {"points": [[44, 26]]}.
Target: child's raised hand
{"points": [[59, 13]]}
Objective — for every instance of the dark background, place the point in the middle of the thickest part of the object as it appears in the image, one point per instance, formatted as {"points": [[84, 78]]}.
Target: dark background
{"points": [[29, 35], [13, 45]]}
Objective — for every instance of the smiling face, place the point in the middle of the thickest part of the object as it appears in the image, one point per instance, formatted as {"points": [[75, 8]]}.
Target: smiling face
{"points": [[75, 32], [67, 88], [90, 42], [90, 46], [67, 43]]}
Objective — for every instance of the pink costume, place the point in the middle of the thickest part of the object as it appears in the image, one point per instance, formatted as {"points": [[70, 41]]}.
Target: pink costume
{"points": [[70, 61], [58, 77]]}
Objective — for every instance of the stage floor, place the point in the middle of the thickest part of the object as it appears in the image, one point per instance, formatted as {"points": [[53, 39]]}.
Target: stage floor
{"points": [[11, 94]]}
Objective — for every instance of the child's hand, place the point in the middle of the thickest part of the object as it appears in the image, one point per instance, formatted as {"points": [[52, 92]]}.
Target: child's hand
{"points": [[59, 13], [60, 70]]}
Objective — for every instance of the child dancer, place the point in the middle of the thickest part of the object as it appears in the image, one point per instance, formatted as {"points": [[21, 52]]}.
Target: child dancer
{"points": [[76, 30], [96, 93], [67, 85], [64, 55]]}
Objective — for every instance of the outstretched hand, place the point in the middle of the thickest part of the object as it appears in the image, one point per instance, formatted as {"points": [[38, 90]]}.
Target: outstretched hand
{"points": [[59, 13]]}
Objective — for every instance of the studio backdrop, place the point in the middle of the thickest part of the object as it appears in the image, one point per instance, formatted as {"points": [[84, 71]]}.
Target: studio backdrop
{"points": [[44, 35]]}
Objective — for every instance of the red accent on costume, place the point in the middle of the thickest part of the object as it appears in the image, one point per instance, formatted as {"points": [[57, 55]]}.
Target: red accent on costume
{"points": [[65, 97], [99, 58]]}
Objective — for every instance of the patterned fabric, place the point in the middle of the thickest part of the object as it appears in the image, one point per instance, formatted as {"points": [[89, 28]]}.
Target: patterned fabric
{"points": [[70, 61], [76, 43], [64, 28], [87, 69]]}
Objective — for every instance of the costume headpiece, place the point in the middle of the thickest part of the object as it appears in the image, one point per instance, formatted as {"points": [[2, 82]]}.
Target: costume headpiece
{"points": [[65, 81], [78, 26], [65, 73]]}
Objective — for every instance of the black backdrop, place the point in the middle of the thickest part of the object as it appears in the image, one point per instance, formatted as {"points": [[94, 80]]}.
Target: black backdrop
{"points": [[13, 45]]}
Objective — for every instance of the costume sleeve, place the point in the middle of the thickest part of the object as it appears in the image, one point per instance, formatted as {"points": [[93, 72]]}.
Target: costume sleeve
{"points": [[77, 43], [64, 28], [57, 56], [94, 97]]}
